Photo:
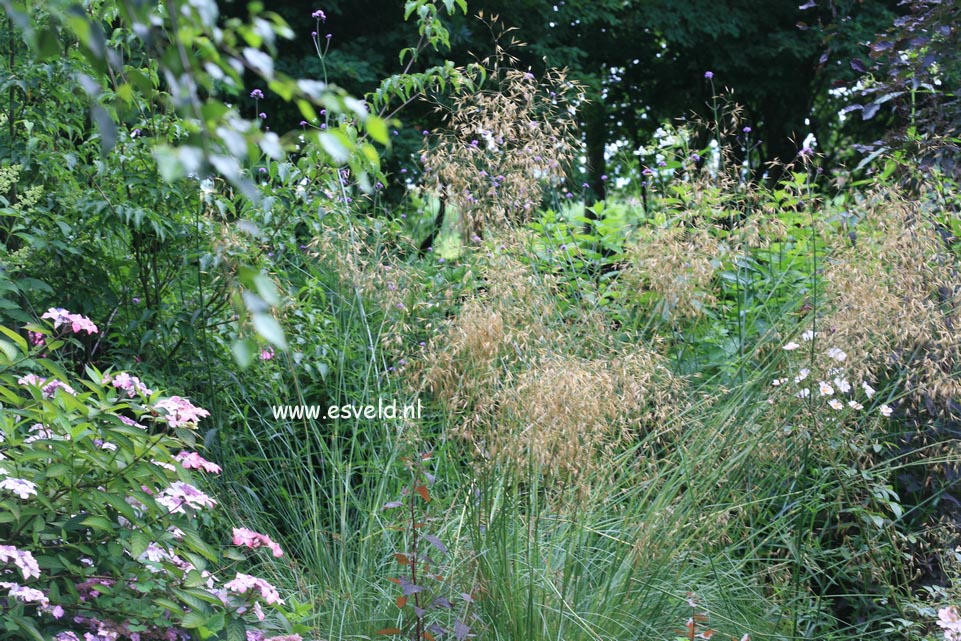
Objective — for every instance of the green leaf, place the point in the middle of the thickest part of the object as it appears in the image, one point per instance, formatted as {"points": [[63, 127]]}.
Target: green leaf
{"points": [[377, 128], [99, 523], [243, 351], [9, 350], [16, 338], [268, 327], [336, 145], [236, 630]]}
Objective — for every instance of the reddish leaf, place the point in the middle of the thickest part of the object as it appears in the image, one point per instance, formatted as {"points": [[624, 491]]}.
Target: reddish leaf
{"points": [[423, 491], [401, 601], [389, 631], [428, 636], [393, 580], [402, 558]]}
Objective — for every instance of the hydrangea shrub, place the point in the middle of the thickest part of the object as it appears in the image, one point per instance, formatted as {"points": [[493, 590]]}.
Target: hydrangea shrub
{"points": [[105, 532]]}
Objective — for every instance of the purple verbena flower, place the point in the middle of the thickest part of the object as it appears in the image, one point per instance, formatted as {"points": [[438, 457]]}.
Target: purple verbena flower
{"points": [[257, 94]]}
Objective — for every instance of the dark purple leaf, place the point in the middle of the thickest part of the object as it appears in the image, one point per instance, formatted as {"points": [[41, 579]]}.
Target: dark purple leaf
{"points": [[461, 630], [467, 597], [420, 612], [437, 629], [443, 602], [810, 4], [870, 111], [944, 30], [851, 108], [408, 588], [883, 45], [929, 60], [823, 58], [437, 543], [430, 478], [392, 504], [858, 65]]}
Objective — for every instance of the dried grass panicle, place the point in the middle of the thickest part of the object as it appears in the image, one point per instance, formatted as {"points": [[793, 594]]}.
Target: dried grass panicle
{"points": [[521, 387], [678, 264], [502, 147], [894, 300]]}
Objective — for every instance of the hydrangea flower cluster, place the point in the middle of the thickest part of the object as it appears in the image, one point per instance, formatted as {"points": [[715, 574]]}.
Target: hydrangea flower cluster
{"points": [[254, 540], [194, 461], [130, 385], [181, 411], [949, 619], [75, 322], [244, 583]]}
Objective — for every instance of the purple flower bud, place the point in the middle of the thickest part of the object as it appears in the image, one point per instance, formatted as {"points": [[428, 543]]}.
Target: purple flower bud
{"points": [[425, 132], [746, 130], [422, 344], [648, 171], [262, 115], [585, 186], [329, 36], [708, 75], [313, 34], [403, 170], [604, 177], [319, 15], [257, 94], [441, 260], [661, 163], [263, 170], [134, 133], [303, 123]]}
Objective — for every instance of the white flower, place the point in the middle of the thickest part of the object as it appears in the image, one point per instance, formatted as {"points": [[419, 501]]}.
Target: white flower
{"points": [[836, 354], [836, 404], [825, 389], [776, 382], [804, 393], [855, 405], [802, 375], [808, 335], [791, 346], [886, 410], [843, 386], [21, 487], [868, 390]]}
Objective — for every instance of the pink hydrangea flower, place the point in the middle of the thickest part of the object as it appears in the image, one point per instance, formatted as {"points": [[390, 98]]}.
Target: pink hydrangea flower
{"points": [[194, 461], [77, 322], [129, 384], [254, 540], [244, 583], [181, 411], [949, 619], [179, 494]]}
